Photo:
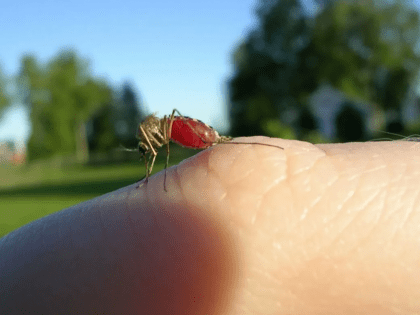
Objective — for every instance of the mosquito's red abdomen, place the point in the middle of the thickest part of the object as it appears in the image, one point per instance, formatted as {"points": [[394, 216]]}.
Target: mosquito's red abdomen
{"points": [[192, 133]]}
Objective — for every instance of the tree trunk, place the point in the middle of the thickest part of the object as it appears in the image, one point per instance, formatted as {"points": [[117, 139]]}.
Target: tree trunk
{"points": [[82, 151]]}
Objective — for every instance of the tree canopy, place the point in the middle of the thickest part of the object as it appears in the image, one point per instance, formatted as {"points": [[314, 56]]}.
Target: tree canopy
{"points": [[61, 95], [365, 49], [4, 96]]}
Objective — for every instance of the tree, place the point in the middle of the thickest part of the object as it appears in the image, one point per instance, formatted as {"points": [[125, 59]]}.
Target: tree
{"points": [[365, 49], [4, 96], [102, 136], [266, 82], [62, 96], [368, 50], [350, 124], [130, 115], [32, 87], [116, 124]]}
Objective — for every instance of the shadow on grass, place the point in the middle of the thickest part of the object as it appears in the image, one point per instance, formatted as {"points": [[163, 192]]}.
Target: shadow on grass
{"points": [[78, 188]]}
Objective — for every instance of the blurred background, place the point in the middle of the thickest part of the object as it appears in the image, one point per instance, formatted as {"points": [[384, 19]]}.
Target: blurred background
{"points": [[77, 78]]}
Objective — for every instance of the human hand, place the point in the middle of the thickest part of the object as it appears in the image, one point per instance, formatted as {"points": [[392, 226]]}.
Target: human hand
{"points": [[243, 229]]}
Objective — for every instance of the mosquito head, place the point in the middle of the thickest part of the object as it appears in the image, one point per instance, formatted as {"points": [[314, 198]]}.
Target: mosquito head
{"points": [[142, 149]]}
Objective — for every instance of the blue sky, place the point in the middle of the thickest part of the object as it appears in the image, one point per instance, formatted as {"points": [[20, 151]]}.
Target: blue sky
{"points": [[177, 54]]}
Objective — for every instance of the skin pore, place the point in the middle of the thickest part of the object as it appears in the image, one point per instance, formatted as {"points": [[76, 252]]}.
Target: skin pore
{"points": [[242, 229]]}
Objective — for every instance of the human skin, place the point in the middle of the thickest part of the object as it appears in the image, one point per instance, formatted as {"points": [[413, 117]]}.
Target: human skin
{"points": [[242, 229]]}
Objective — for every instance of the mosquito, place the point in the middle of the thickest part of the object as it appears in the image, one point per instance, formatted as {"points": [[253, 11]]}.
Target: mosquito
{"points": [[154, 133]]}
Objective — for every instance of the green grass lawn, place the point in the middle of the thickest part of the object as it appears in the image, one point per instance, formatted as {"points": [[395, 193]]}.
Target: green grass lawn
{"points": [[29, 193], [18, 211]]}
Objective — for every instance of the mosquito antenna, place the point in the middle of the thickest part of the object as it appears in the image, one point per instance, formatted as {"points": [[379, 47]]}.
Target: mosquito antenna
{"points": [[397, 135], [123, 148]]}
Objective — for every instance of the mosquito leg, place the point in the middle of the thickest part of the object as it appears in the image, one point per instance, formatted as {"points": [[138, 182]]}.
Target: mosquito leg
{"points": [[148, 170], [166, 165], [172, 121], [176, 111], [167, 131], [146, 136], [151, 165], [145, 177]]}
